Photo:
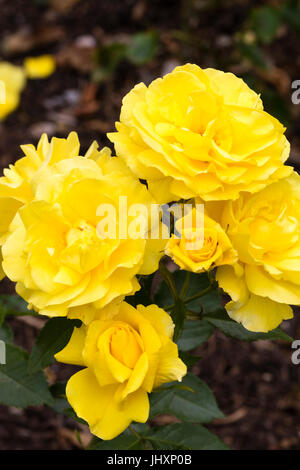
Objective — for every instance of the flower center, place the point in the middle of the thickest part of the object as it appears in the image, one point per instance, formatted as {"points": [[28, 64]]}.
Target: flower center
{"points": [[200, 248], [125, 346], [82, 234]]}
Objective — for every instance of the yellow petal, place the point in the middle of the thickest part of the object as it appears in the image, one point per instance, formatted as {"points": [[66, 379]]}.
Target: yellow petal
{"points": [[118, 416], [153, 252], [170, 367], [8, 209], [259, 314], [88, 399], [138, 375], [261, 283], [232, 284], [72, 352], [106, 416], [160, 320]]}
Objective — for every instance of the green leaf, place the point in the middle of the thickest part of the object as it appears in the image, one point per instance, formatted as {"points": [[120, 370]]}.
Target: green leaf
{"points": [[142, 296], [178, 314], [184, 436], [189, 359], [17, 387], [60, 403], [265, 22], [290, 13], [253, 53], [126, 441], [107, 59], [231, 328], [194, 334], [209, 302], [198, 282], [275, 104], [190, 401], [51, 339], [6, 333], [143, 47], [12, 305]]}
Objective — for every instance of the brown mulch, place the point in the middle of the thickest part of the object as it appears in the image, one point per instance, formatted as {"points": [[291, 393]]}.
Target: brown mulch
{"points": [[258, 389]]}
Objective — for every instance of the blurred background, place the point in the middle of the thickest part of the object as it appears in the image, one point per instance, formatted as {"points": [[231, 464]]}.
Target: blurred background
{"points": [[90, 53]]}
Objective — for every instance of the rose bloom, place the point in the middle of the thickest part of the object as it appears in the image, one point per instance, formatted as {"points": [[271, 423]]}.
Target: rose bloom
{"points": [[15, 185], [201, 247], [265, 230], [126, 354], [200, 133], [13, 78], [53, 250]]}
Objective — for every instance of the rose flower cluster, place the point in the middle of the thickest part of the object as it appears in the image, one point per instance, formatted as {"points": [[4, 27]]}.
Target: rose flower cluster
{"points": [[197, 136]]}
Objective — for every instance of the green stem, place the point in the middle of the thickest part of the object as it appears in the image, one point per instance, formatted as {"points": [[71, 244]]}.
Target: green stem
{"points": [[139, 437], [192, 298], [168, 278], [185, 284], [135, 433]]}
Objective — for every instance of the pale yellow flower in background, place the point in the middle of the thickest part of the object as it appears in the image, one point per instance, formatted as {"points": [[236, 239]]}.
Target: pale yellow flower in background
{"points": [[12, 82], [53, 250], [200, 133], [126, 354], [264, 228], [39, 67], [200, 248]]}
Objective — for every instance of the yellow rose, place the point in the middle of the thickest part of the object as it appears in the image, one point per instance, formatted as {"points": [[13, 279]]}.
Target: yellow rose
{"points": [[200, 133], [200, 245], [12, 82], [54, 249], [39, 67], [15, 185], [126, 355], [264, 228]]}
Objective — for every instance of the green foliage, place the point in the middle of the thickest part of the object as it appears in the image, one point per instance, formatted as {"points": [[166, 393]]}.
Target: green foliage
{"points": [[107, 59], [128, 440], [17, 387], [142, 296], [178, 314], [231, 328], [60, 403], [194, 301], [265, 22], [143, 47], [254, 54], [194, 334], [189, 359], [275, 104], [52, 339], [184, 436], [290, 13], [179, 436], [197, 284], [6, 333], [190, 401], [12, 305]]}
